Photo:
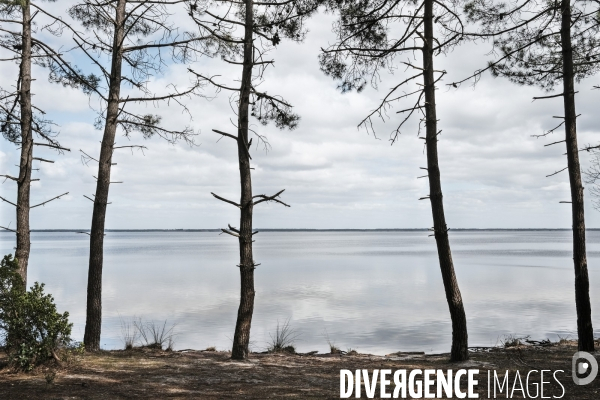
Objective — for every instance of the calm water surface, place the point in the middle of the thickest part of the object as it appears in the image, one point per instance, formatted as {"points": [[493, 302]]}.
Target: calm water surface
{"points": [[372, 291]]}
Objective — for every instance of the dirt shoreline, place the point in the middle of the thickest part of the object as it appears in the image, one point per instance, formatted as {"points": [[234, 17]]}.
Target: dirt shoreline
{"points": [[190, 374]]}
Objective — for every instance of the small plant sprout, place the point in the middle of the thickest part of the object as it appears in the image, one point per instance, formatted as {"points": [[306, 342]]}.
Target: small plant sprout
{"points": [[129, 334], [283, 340], [154, 335], [333, 349], [513, 341]]}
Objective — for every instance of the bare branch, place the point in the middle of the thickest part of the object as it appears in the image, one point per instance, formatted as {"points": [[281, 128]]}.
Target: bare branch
{"points": [[48, 201], [587, 148], [225, 200], [94, 201], [211, 81], [132, 146], [44, 160], [557, 172], [8, 229], [235, 138], [159, 45], [264, 198], [52, 145], [9, 202], [491, 65], [10, 177], [88, 156], [551, 97], [231, 228], [253, 63], [225, 134], [229, 232], [158, 98], [550, 144], [410, 109], [549, 131]]}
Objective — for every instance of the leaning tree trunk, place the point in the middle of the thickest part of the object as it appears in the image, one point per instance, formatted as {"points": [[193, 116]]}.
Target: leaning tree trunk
{"points": [[459, 350], [25, 164], [93, 322], [241, 338], [582, 284]]}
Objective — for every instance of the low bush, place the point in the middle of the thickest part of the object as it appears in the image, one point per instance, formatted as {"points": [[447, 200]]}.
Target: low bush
{"points": [[31, 330]]}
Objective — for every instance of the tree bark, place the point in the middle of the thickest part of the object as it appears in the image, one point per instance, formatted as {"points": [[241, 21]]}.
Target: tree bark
{"points": [[26, 161], [459, 351], [93, 321], [241, 338], [582, 284]]}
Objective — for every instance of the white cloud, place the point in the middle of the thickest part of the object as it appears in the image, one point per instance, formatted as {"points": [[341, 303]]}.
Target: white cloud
{"points": [[335, 176]]}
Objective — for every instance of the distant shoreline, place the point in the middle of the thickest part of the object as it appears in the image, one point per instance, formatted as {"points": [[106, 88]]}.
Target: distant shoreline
{"points": [[320, 230]]}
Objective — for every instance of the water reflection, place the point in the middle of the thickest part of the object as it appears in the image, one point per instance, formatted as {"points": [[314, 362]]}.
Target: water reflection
{"points": [[371, 291]]}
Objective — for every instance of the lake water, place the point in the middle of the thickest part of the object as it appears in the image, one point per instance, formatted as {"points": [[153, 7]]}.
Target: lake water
{"points": [[373, 291]]}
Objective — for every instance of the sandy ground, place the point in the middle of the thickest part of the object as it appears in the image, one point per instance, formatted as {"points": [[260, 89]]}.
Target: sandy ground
{"points": [[155, 374]]}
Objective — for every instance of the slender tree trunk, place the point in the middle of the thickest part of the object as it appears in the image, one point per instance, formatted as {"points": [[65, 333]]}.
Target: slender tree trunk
{"points": [[582, 284], [459, 350], [241, 338], [93, 322], [25, 164]]}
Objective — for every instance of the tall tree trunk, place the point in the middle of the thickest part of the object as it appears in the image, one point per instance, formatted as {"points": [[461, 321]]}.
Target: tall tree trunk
{"points": [[241, 338], [25, 164], [459, 350], [582, 284], [93, 322]]}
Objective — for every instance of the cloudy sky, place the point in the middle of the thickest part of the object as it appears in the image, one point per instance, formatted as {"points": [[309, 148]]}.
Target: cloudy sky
{"points": [[334, 175]]}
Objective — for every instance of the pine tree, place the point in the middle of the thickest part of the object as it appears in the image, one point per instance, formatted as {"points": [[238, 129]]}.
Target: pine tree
{"points": [[373, 36], [548, 44], [19, 117], [128, 42], [247, 31]]}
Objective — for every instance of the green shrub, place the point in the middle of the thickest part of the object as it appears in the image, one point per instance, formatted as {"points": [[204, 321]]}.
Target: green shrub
{"points": [[32, 329]]}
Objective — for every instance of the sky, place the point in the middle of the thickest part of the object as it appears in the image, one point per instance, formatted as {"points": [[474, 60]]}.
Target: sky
{"points": [[335, 176]]}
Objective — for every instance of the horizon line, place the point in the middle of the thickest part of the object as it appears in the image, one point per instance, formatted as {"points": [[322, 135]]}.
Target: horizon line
{"points": [[306, 229]]}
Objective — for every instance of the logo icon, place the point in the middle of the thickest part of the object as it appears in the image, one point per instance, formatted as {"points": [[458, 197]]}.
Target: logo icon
{"points": [[584, 367]]}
